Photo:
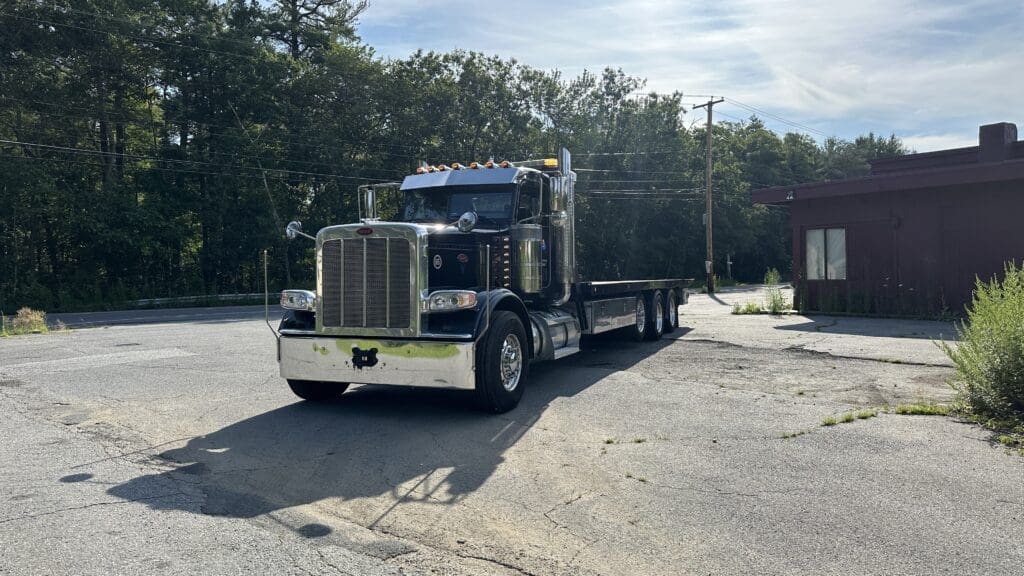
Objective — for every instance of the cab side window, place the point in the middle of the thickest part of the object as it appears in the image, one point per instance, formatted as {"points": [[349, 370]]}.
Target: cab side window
{"points": [[529, 199]]}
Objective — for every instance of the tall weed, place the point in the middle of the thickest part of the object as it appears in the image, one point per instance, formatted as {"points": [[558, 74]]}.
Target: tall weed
{"points": [[774, 301]]}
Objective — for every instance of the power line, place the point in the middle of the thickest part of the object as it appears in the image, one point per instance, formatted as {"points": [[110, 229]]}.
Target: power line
{"points": [[131, 36], [776, 117], [171, 119], [84, 151]]}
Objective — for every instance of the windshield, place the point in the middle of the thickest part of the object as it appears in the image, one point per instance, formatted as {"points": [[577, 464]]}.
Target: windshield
{"points": [[444, 205]]}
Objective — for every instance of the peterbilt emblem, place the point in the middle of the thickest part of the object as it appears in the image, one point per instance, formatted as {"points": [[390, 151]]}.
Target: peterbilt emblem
{"points": [[438, 262], [462, 258], [364, 358], [365, 231]]}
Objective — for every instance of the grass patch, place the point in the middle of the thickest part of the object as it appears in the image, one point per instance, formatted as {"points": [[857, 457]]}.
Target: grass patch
{"points": [[26, 321], [922, 409], [865, 414], [847, 417], [609, 441], [748, 308], [788, 435], [639, 440]]}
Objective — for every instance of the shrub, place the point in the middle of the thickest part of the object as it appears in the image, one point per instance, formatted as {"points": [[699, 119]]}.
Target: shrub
{"points": [[26, 321], [989, 358], [774, 301]]}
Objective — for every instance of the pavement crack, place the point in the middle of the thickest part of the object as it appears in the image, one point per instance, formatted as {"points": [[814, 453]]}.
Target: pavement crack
{"points": [[507, 565], [93, 505]]}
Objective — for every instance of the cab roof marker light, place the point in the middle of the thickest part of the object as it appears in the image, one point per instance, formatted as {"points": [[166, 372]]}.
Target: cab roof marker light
{"points": [[421, 170], [489, 164], [441, 167], [457, 166], [474, 166], [506, 164]]}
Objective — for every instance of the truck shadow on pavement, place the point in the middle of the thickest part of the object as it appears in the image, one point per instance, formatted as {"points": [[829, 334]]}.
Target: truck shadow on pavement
{"points": [[401, 444]]}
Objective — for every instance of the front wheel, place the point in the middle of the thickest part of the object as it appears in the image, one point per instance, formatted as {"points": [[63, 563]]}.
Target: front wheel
{"points": [[502, 364], [315, 391]]}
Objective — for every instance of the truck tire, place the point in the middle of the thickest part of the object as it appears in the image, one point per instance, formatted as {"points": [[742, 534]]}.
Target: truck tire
{"points": [[502, 364], [315, 391], [638, 331], [671, 311], [655, 316]]}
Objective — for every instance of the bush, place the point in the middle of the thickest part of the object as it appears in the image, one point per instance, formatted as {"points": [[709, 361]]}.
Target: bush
{"points": [[989, 359], [25, 321]]}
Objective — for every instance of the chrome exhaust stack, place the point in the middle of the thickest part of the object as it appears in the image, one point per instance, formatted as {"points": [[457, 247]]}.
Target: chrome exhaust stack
{"points": [[563, 228]]}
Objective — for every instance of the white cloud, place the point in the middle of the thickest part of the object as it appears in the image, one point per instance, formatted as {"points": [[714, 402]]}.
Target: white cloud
{"points": [[932, 142], [913, 67]]}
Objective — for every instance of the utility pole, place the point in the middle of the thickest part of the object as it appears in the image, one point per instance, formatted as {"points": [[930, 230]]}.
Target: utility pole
{"points": [[709, 264]]}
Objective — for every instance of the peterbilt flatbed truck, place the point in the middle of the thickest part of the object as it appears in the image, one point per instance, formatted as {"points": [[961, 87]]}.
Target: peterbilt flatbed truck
{"points": [[474, 281]]}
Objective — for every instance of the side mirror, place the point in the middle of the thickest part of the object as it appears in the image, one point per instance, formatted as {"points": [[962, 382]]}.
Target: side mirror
{"points": [[293, 230], [467, 222]]}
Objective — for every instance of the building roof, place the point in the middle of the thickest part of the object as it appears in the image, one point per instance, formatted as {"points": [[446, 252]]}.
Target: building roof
{"points": [[998, 157]]}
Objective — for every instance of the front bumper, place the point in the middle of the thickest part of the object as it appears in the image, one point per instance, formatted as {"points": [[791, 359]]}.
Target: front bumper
{"points": [[426, 363]]}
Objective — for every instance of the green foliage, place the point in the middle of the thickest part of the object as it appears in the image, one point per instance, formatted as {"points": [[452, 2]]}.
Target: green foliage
{"points": [[26, 321], [989, 357], [922, 409], [748, 308], [188, 133], [774, 301]]}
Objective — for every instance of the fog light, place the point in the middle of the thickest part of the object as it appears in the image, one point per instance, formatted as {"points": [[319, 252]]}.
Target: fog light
{"points": [[448, 300], [298, 300]]}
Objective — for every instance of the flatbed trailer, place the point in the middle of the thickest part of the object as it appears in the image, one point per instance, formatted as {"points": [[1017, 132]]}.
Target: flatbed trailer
{"points": [[469, 285]]}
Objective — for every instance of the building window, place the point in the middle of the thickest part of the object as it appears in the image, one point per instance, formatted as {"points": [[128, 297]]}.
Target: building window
{"points": [[825, 251]]}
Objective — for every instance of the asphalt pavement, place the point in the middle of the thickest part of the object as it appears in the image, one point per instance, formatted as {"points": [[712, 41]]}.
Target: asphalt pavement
{"points": [[174, 448]]}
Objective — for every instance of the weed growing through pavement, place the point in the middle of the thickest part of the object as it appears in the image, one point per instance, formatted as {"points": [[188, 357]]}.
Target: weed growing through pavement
{"points": [[774, 302], [922, 409], [748, 308], [847, 417]]}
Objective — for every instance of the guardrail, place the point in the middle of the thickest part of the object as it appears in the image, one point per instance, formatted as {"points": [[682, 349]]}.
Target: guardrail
{"points": [[195, 299]]}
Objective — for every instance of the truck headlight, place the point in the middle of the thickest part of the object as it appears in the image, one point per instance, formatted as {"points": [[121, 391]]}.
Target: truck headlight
{"points": [[298, 300], [448, 300]]}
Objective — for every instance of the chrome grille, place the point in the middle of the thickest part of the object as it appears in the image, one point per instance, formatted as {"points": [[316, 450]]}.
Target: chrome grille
{"points": [[366, 283], [331, 275]]}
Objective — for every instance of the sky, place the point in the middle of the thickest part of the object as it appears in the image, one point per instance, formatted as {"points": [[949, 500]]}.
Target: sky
{"points": [[929, 71]]}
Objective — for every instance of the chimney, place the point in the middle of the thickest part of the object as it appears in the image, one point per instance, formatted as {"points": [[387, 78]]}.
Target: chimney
{"points": [[995, 141]]}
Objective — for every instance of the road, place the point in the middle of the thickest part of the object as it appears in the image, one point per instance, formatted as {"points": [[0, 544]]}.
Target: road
{"points": [[174, 448]]}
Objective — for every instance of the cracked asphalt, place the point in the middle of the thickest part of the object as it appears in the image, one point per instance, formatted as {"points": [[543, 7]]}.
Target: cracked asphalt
{"points": [[174, 448]]}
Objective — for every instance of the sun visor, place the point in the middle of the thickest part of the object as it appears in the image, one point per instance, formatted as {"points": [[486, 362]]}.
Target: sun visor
{"points": [[478, 177]]}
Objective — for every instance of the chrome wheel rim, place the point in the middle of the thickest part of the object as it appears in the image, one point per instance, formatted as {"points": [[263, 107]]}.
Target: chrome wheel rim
{"points": [[511, 362], [641, 316], [673, 312], [659, 316]]}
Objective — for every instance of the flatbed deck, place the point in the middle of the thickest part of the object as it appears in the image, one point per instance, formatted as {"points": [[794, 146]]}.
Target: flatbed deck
{"points": [[610, 289]]}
